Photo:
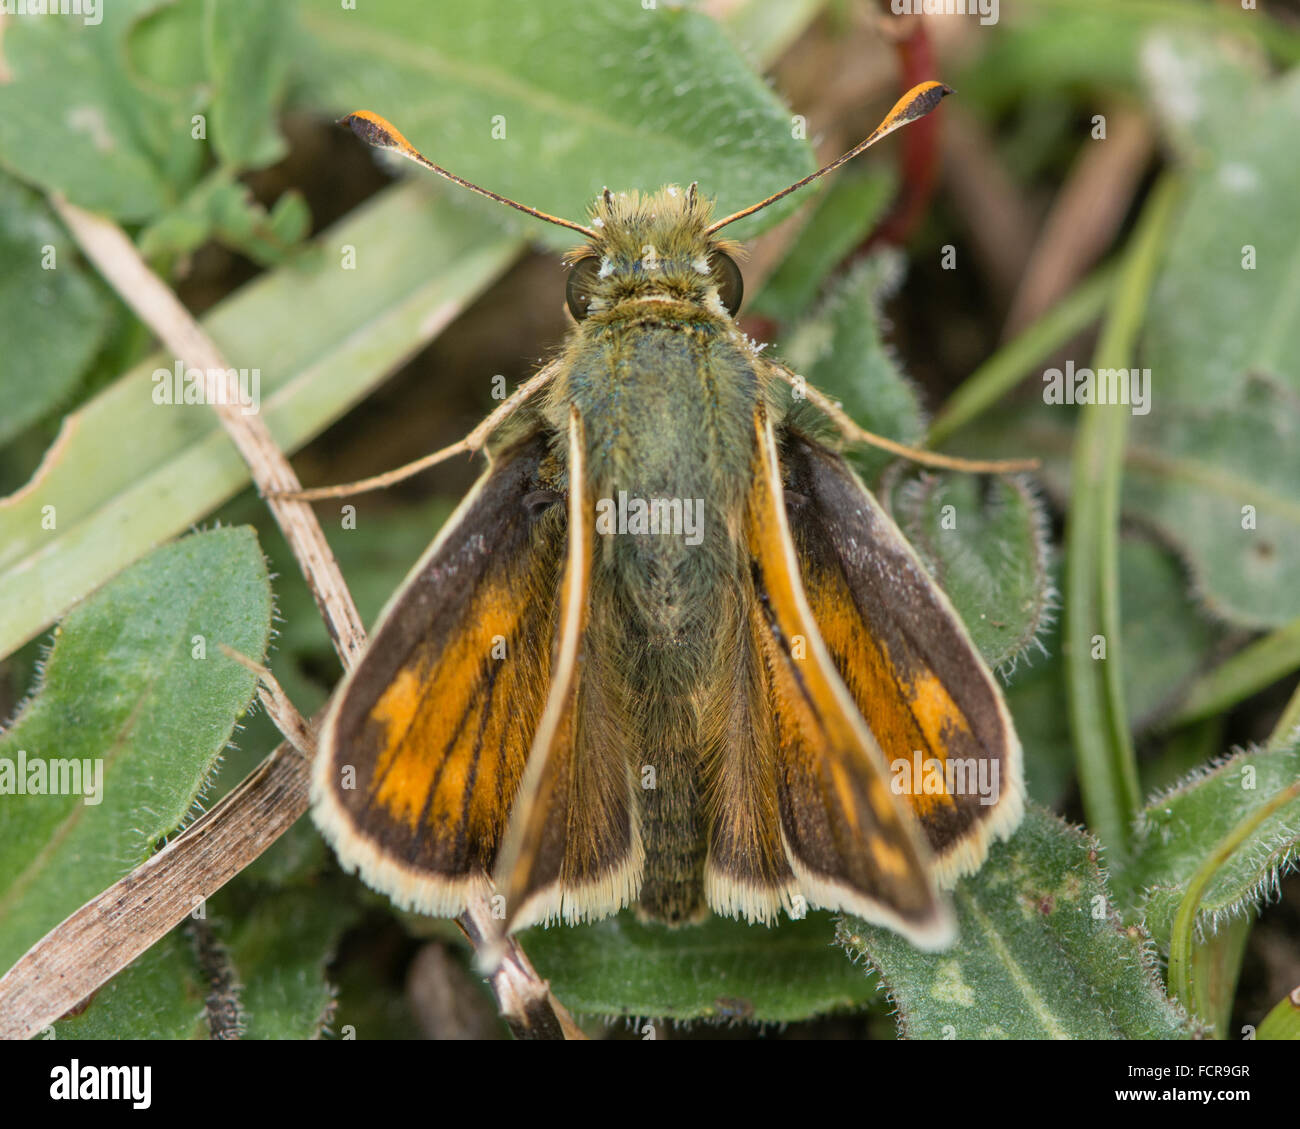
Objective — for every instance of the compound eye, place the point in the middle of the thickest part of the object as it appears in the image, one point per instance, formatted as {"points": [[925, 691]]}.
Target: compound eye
{"points": [[581, 288], [731, 286]]}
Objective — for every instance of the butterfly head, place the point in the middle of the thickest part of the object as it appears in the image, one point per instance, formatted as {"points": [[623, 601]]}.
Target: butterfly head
{"points": [[653, 247]]}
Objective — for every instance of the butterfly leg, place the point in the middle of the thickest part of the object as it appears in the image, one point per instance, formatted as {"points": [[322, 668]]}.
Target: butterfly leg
{"points": [[855, 434], [470, 445]]}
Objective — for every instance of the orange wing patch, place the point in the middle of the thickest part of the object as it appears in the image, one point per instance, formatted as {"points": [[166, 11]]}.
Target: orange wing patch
{"points": [[906, 715], [922, 688], [449, 727], [424, 747]]}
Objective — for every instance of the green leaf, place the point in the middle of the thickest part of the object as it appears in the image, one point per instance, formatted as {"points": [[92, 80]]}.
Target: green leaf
{"points": [[721, 969], [279, 943], [81, 118], [124, 692], [105, 112], [1092, 633], [840, 350], [159, 995], [1034, 959], [1220, 486], [1180, 828], [190, 224], [1166, 638], [220, 206], [115, 498], [247, 49], [53, 316], [1217, 485], [1226, 308], [1283, 1022], [254, 966], [287, 224], [586, 95], [985, 541]]}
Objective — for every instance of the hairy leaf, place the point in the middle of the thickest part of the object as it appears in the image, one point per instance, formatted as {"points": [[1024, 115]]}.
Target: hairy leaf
{"points": [[720, 970], [138, 696], [1179, 829], [246, 46], [1041, 953], [280, 944], [985, 541], [105, 111]]}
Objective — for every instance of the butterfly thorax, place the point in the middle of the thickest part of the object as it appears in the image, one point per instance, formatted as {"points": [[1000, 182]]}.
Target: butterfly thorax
{"points": [[665, 384]]}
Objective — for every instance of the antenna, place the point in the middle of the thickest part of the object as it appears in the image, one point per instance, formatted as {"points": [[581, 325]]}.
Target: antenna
{"points": [[916, 103], [381, 134]]}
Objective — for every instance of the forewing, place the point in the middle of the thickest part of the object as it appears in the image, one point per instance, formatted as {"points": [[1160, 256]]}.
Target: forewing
{"points": [[423, 749], [927, 696], [851, 844]]}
